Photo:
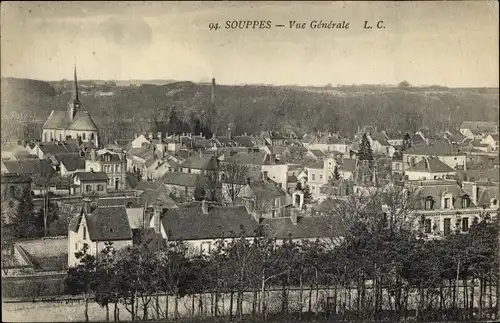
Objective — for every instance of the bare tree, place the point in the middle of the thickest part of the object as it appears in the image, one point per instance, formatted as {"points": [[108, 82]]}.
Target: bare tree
{"points": [[234, 177]]}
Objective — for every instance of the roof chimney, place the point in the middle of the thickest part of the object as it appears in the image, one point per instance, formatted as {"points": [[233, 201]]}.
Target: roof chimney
{"points": [[204, 206], [150, 135], [264, 176], [294, 218], [248, 180], [159, 135]]}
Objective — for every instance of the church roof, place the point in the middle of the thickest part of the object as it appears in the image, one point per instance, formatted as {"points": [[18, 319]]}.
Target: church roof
{"points": [[59, 120], [83, 121]]}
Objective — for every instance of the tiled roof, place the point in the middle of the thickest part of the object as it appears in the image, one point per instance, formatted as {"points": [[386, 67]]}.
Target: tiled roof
{"points": [[143, 153], [92, 176], [119, 201], [11, 178], [245, 158], [437, 189], [190, 223], [71, 162], [205, 162], [28, 166], [441, 149], [317, 153], [348, 164], [180, 179], [109, 223], [59, 120], [54, 148], [266, 189], [431, 165], [479, 125], [318, 165], [243, 141], [307, 227]]}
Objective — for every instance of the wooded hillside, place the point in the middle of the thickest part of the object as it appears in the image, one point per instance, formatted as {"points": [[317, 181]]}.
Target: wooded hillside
{"points": [[251, 108]]}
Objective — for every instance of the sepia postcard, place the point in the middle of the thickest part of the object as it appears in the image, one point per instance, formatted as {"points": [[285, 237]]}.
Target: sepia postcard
{"points": [[241, 161]]}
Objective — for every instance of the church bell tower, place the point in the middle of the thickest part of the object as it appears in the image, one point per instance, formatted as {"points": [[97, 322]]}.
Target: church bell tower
{"points": [[74, 103]]}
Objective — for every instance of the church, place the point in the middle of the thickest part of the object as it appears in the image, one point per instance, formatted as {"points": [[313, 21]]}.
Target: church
{"points": [[74, 123]]}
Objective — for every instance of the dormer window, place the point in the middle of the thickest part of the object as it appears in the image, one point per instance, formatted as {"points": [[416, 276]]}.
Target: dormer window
{"points": [[465, 201]]}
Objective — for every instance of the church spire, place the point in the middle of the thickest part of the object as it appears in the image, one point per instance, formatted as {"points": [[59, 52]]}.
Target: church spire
{"points": [[74, 103], [75, 86]]}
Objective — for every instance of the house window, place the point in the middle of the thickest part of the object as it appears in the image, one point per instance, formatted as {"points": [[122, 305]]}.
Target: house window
{"points": [[465, 201], [447, 226], [313, 177], [83, 136], [92, 136], [429, 203], [88, 188], [320, 176], [447, 203], [427, 226], [465, 224], [100, 188], [84, 233], [117, 168]]}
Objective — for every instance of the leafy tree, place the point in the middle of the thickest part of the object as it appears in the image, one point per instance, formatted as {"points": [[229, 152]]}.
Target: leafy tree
{"points": [[406, 142], [365, 149], [336, 173], [307, 195], [404, 84], [81, 278]]}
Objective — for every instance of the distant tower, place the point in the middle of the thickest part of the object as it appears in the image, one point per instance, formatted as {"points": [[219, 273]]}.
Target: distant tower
{"points": [[212, 98], [74, 103]]}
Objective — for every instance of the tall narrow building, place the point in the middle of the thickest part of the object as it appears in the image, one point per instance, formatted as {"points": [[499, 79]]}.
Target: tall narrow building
{"points": [[74, 123]]}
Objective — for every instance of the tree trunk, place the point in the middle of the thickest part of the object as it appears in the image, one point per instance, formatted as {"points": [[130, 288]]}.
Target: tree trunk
{"points": [[107, 312], [301, 301], [157, 301], [471, 312], [116, 313], [310, 298], [86, 311], [231, 305], [166, 306], [176, 310], [192, 305], [263, 291]]}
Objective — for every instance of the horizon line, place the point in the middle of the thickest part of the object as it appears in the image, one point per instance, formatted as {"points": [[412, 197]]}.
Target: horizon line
{"points": [[328, 85]]}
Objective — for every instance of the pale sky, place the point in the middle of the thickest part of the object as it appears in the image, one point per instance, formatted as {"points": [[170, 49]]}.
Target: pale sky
{"points": [[445, 43]]}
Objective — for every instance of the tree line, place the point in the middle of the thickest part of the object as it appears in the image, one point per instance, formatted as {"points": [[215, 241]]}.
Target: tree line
{"points": [[376, 271]]}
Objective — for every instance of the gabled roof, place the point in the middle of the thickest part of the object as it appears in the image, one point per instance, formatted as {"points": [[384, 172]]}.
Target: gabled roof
{"points": [[244, 141], [348, 164], [71, 162], [59, 120], [92, 176], [143, 153], [190, 223], [309, 227], [245, 158], [205, 162], [31, 167], [431, 165], [266, 189], [479, 125], [54, 148], [105, 224], [180, 179], [83, 121], [13, 178], [436, 189], [439, 149]]}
